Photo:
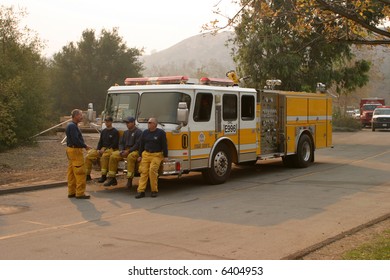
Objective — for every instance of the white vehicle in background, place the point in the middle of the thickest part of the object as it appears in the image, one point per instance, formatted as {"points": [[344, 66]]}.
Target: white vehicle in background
{"points": [[356, 114], [381, 118]]}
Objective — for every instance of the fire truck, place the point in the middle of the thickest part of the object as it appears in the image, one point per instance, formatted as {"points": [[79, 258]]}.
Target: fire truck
{"points": [[212, 123], [367, 107]]}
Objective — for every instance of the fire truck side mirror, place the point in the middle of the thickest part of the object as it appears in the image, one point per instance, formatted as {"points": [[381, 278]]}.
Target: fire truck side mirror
{"points": [[182, 113]]}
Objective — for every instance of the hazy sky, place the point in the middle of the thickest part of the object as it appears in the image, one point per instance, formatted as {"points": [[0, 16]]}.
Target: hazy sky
{"points": [[152, 24]]}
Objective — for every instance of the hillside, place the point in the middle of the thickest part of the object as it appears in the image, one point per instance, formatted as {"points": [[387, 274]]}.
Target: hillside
{"points": [[379, 85], [203, 53], [208, 55]]}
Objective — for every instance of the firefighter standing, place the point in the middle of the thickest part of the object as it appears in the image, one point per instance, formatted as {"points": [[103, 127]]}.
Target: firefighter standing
{"points": [[74, 151], [128, 149], [108, 143], [153, 150]]}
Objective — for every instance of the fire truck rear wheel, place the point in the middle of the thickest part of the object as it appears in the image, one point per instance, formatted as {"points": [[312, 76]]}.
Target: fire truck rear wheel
{"points": [[305, 152], [221, 165]]}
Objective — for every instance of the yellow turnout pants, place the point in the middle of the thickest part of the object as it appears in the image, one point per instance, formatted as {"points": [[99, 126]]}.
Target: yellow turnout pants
{"points": [[131, 162], [76, 171], [149, 166], [93, 155]]}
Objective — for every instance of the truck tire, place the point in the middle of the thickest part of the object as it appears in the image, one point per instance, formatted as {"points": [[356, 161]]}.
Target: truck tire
{"points": [[305, 152], [221, 165]]}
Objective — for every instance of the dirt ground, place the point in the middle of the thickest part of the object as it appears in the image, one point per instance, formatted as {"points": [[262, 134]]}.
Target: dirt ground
{"points": [[46, 161]]}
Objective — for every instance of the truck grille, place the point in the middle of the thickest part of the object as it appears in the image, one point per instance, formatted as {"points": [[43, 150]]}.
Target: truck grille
{"points": [[383, 120]]}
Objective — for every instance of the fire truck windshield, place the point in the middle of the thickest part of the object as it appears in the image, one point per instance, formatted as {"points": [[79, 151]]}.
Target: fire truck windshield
{"points": [[370, 107], [161, 105], [382, 111], [121, 106]]}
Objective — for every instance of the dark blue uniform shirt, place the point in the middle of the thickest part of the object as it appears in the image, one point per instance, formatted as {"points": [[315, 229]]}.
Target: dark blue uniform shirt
{"points": [[74, 138], [109, 138], [130, 140], [154, 142]]}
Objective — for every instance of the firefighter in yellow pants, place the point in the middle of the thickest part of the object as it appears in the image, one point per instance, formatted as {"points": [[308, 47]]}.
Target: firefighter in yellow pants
{"points": [[94, 154], [108, 142], [149, 167], [128, 149], [74, 151], [117, 156], [76, 172], [153, 149]]}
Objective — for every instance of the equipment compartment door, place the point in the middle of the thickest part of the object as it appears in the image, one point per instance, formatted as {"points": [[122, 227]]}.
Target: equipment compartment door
{"points": [[247, 147]]}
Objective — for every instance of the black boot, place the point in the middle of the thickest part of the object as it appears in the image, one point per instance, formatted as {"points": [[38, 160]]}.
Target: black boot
{"points": [[129, 183], [111, 182], [140, 195], [102, 179]]}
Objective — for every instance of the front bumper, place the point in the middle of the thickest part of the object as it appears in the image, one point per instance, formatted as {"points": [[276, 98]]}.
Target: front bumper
{"points": [[171, 167], [381, 124]]}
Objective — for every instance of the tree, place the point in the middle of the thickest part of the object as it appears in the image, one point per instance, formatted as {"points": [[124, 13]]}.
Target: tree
{"points": [[24, 104], [269, 49], [352, 21], [83, 71], [351, 76]]}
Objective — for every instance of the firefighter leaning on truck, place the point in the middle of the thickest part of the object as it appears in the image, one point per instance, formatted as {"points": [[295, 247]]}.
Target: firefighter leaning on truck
{"points": [[153, 150], [128, 149], [108, 143]]}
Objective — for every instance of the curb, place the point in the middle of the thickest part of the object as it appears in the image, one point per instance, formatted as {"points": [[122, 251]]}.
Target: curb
{"points": [[302, 253], [32, 188]]}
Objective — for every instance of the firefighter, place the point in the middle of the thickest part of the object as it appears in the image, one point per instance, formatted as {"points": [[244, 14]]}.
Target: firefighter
{"points": [[74, 151], [128, 149], [232, 75], [153, 150], [108, 143]]}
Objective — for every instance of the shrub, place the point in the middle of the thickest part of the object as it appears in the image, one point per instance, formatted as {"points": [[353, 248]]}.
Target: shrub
{"points": [[345, 123]]}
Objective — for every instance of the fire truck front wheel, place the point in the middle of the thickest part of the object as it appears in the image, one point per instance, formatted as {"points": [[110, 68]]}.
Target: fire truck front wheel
{"points": [[305, 152], [221, 165]]}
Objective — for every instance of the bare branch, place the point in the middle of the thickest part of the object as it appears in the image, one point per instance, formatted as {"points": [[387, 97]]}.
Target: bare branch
{"points": [[340, 11], [387, 2], [367, 42]]}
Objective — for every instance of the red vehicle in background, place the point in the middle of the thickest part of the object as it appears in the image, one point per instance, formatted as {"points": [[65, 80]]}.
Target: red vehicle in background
{"points": [[367, 107]]}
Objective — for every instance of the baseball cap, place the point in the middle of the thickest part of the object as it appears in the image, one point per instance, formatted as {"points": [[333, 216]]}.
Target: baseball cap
{"points": [[129, 119], [108, 119]]}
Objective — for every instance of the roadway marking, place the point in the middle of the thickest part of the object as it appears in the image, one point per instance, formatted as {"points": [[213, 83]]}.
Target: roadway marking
{"points": [[57, 227]]}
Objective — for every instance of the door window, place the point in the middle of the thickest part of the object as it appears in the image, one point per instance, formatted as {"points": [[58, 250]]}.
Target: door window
{"points": [[229, 103], [203, 106]]}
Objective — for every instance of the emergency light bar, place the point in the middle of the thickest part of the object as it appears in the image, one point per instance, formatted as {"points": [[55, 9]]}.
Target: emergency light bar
{"points": [[172, 80], [136, 81], [156, 80], [176, 80], [216, 82]]}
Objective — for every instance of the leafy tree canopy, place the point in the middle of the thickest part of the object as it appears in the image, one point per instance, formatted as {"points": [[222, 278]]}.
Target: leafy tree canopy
{"points": [[24, 104], [83, 71], [352, 21], [269, 44]]}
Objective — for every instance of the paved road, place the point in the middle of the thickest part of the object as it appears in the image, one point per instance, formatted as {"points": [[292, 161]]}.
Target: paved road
{"points": [[263, 212]]}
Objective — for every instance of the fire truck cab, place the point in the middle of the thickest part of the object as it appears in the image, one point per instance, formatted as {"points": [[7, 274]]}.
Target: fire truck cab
{"points": [[211, 123]]}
